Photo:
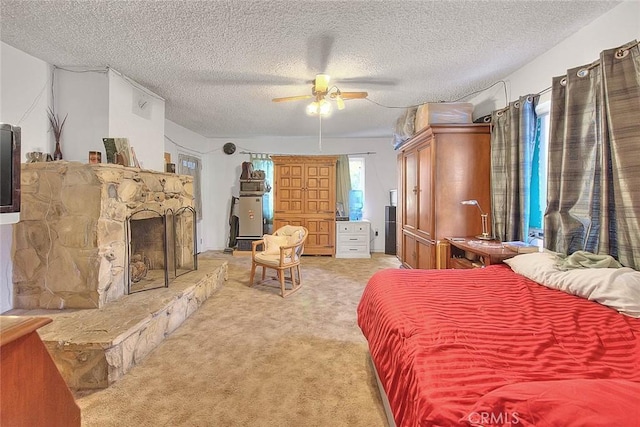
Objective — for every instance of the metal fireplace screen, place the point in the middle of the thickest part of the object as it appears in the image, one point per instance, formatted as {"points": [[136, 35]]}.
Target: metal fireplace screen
{"points": [[161, 247]]}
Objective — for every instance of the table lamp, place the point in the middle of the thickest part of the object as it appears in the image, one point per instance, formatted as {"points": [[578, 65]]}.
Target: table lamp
{"points": [[485, 219]]}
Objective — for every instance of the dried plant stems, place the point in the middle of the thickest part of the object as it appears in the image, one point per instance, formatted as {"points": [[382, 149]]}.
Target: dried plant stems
{"points": [[56, 125]]}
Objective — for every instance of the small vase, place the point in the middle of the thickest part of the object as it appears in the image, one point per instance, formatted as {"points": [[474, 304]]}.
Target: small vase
{"points": [[57, 154]]}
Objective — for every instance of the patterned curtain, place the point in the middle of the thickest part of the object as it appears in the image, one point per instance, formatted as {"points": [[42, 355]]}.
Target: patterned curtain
{"points": [[594, 166], [191, 165], [513, 139], [263, 162], [343, 183]]}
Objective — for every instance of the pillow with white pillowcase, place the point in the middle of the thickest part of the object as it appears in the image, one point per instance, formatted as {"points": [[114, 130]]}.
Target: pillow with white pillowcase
{"points": [[617, 288]]}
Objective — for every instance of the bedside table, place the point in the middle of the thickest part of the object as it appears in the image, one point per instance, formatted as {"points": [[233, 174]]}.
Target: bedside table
{"points": [[473, 253], [352, 239]]}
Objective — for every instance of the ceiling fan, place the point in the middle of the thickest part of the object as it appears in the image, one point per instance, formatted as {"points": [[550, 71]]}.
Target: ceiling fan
{"points": [[320, 91]]}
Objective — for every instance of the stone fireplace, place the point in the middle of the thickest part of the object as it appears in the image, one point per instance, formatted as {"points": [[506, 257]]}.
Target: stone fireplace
{"points": [[71, 247]]}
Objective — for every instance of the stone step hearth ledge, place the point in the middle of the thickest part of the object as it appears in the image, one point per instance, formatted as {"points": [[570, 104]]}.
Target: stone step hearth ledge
{"points": [[93, 348]]}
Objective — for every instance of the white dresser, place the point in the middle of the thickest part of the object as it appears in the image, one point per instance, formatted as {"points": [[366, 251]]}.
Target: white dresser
{"points": [[353, 239]]}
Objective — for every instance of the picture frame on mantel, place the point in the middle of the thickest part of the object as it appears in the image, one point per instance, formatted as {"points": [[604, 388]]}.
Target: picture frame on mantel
{"points": [[119, 152], [110, 149]]}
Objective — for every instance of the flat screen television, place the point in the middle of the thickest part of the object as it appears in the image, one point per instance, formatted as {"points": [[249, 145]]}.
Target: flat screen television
{"points": [[9, 168]]}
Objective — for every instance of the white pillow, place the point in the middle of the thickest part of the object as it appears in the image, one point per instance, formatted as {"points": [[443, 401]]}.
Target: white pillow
{"points": [[272, 244], [618, 288], [537, 266]]}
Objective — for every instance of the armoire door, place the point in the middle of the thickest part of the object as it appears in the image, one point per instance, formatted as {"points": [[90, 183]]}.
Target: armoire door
{"points": [[426, 255], [321, 239], [409, 253], [319, 189], [410, 190], [289, 187], [425, 191]]}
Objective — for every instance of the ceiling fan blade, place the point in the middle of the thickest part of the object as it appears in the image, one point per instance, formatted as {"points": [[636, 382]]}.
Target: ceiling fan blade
{"points": [[352, 95], [368, 81], [292, 98]]}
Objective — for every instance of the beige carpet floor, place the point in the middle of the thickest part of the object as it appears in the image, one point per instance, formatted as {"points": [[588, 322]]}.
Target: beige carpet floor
{"points": [[248, 357]]}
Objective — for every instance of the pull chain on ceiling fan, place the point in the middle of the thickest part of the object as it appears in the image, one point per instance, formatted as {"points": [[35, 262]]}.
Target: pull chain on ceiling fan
{"points": [[320, 91]]}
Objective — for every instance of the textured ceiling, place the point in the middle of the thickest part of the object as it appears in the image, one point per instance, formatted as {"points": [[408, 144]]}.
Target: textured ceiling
{"points": [[218, 64]]}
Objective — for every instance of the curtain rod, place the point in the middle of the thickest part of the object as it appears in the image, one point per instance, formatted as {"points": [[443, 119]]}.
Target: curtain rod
{"points": [[298, 154]]}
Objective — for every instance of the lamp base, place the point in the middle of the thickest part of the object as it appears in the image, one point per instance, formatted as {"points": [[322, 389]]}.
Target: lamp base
{"points": [[482, 237]]}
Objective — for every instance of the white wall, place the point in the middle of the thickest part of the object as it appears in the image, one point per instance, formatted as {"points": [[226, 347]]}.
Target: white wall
{"points": [[224, 173], [25, 86], [145, 132], [25, 83], [615, 28], [83, 97]]}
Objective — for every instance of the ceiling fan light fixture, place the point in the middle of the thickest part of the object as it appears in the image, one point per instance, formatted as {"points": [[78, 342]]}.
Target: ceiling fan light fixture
{"points": [[321, 82], [325, 108], [339, 101], [313, 108], [322, 108]]}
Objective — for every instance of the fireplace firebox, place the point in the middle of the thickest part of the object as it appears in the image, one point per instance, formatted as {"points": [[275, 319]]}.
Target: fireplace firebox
{"points": [[161, 247]]}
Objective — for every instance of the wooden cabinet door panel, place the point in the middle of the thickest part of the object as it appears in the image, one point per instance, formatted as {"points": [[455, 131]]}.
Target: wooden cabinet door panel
{"points": [[409, 256], [288, 189], [320, 232], [425, 221], [426, 255], [410, 188], [320, 189], [277, 223], [400, 207]]}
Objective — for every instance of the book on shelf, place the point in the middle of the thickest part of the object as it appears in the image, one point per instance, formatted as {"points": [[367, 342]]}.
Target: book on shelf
{"points": [[520, 247]]}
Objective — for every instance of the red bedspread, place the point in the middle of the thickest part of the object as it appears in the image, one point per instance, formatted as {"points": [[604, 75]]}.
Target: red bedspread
{"points": [[442, 340]]}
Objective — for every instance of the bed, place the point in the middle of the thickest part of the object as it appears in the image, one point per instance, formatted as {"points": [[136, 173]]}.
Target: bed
{"points": [[492, 347]]}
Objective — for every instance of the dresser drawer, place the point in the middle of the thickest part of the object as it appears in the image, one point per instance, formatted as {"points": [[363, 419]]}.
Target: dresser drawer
{"points": [[352, 227], [352, 239], [353, 252]]}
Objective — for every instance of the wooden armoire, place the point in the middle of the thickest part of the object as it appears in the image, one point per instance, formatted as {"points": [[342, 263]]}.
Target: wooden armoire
{"points": [[305, 194], [439, 167]]}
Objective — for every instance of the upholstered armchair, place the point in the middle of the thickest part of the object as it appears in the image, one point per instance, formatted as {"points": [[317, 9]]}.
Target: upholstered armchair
{"points": [[281, 251]]}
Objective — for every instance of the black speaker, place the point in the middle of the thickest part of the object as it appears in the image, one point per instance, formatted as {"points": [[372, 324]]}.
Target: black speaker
{"points": [[390, 230]]}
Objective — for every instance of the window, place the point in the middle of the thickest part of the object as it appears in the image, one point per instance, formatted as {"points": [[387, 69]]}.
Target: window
{"points": [[191, 165], [539, 173], [356, 198], [356, 170]]}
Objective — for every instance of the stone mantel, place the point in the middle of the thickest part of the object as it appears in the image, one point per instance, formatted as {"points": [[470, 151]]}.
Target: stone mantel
{"points": [[69, 247]]}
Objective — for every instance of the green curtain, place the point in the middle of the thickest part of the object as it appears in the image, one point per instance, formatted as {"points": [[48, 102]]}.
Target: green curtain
{"points": [[513, 139], [343, 183], [263, 162], [594, 166]]}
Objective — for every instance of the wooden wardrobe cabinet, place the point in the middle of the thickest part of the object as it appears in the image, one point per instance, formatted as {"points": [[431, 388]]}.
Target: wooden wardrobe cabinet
{"points": [[439, 167], [305, 194]]}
